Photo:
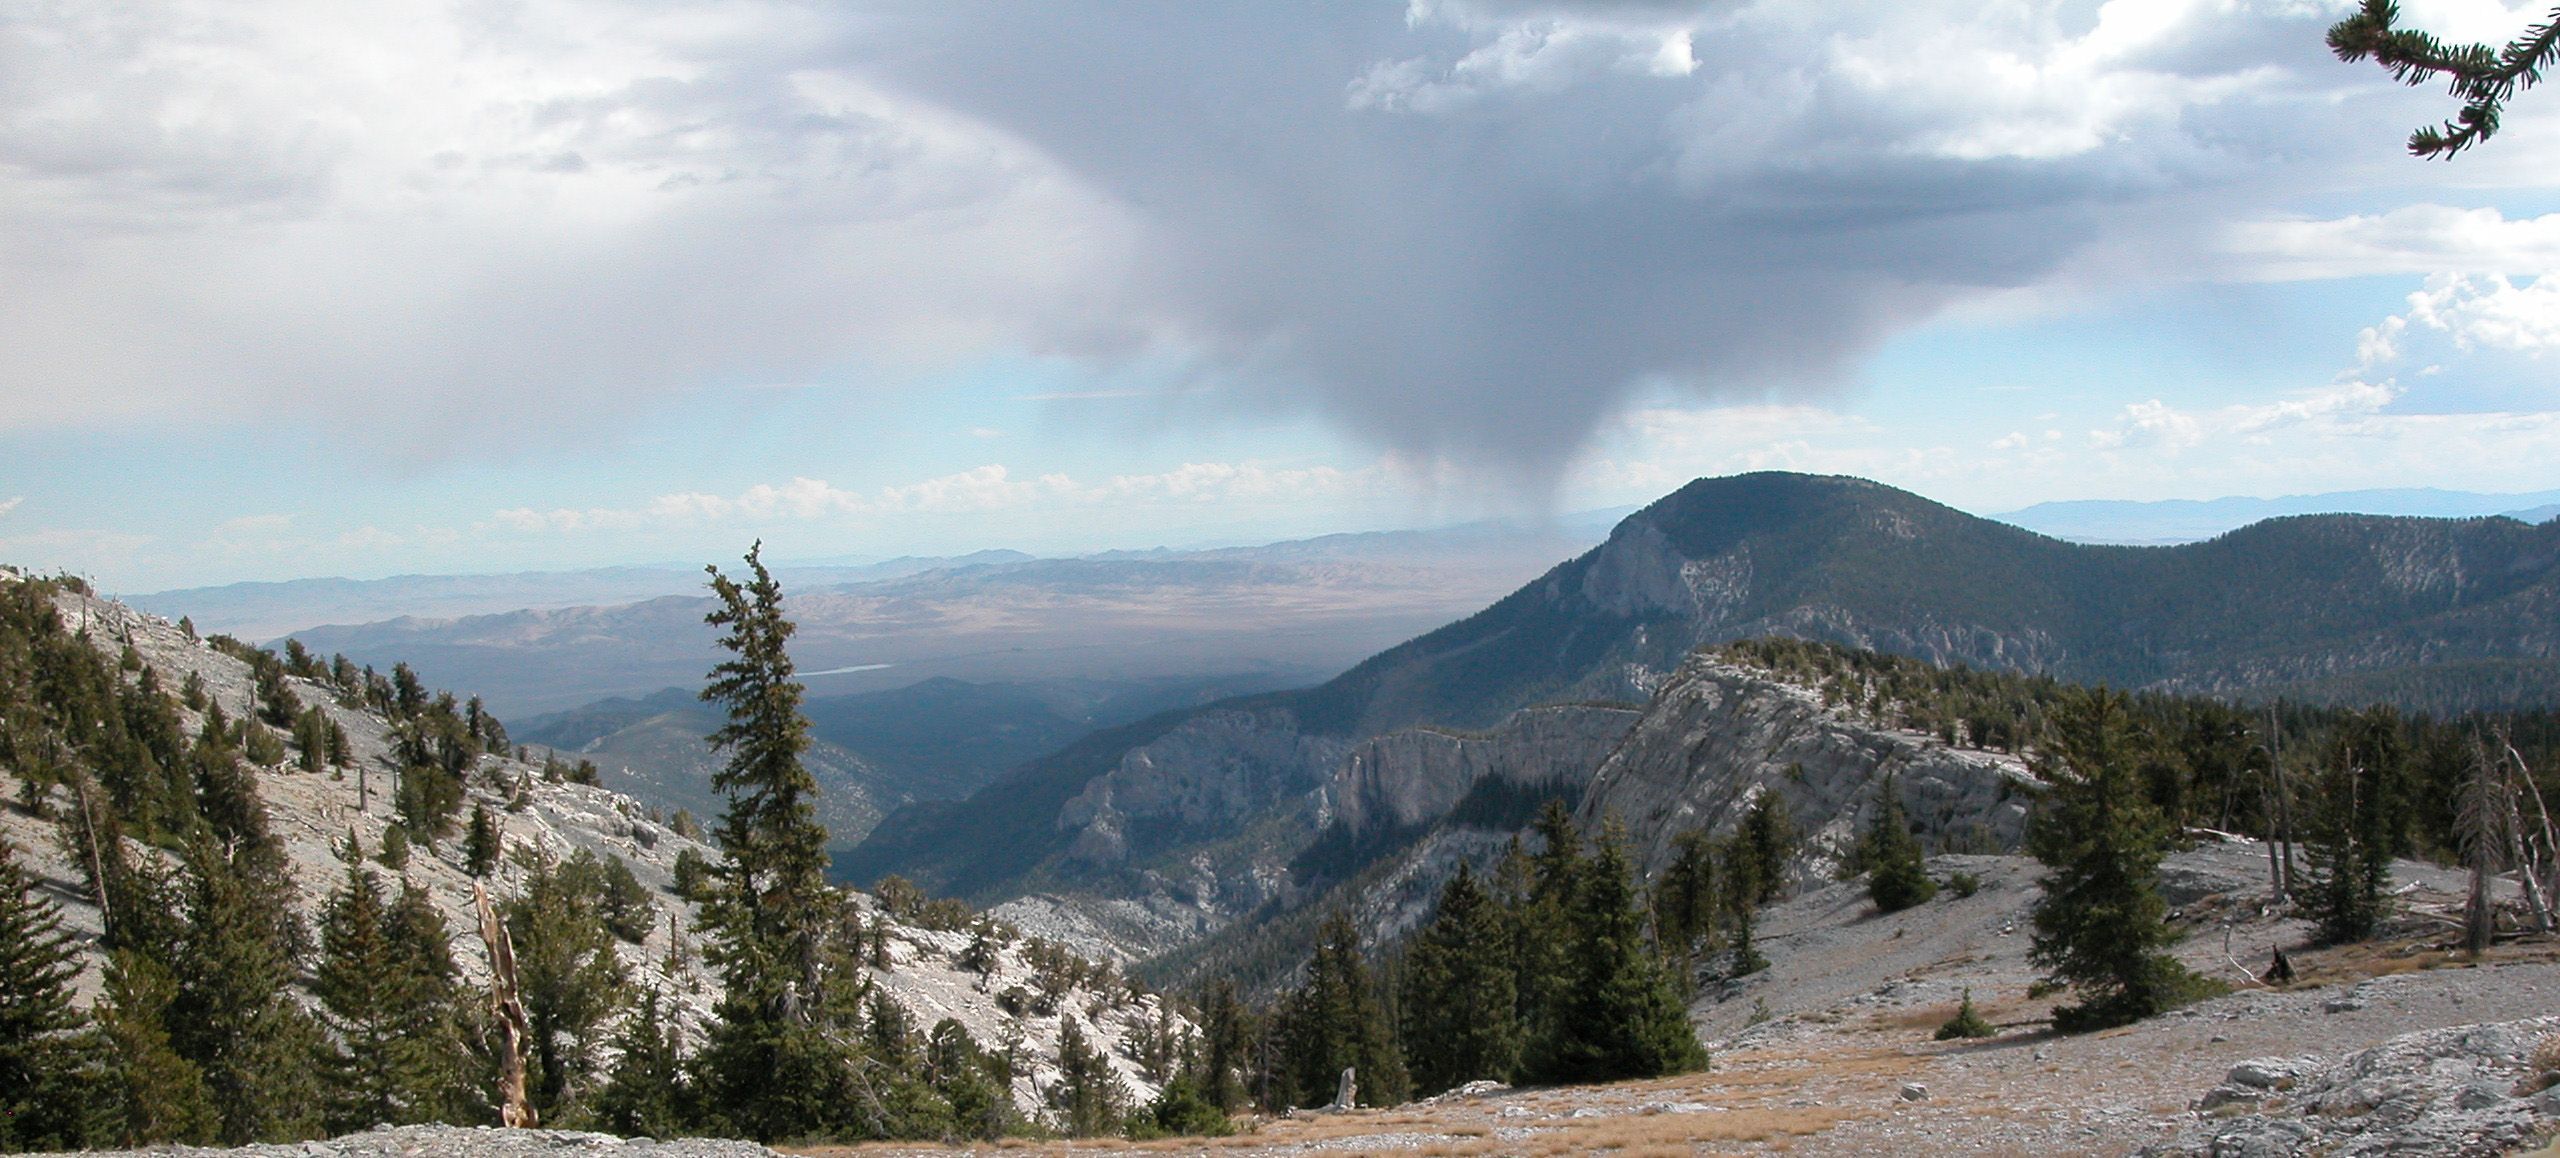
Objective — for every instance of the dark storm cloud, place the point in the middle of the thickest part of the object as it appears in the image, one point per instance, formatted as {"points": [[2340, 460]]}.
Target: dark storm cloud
{"points": [[1465, 228], [1472, 229]]}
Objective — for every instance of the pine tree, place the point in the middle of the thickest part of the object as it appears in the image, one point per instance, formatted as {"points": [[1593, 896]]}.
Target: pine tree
{"points": [[386, 996], [1334, 1022], [46, 1060], [481, 843], [2354, 828], [1769, 832], [1685, 903], [1741, 908], [240, 836], [2101, 925], [1461, 1015], [1088, 1098], [1547, 884], [646, 1094], [408, 695], [572, 982], [277, 705], [234, 1015], [1897, 877], [1624, 1017], [776, 848], [769, 911], [1227, 1037], [1967, 1023], [970, 1081], [311, 740], [151, 1094], [353, 981], [2482, 75], [431, 1003]]}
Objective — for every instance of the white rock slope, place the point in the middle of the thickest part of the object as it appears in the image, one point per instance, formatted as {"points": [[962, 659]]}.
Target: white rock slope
{"points": [[313, 813]]}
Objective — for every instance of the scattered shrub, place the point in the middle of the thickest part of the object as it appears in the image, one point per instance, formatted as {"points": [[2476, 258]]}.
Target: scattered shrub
{"points": [[1967, 1023]]}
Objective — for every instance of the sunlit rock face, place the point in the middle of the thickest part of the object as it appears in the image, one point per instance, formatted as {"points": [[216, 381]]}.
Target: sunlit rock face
{"points": [[1719, 735]]}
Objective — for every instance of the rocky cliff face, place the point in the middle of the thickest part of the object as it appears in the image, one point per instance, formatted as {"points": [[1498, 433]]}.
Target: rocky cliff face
{"points": [[1411, 778], [313, 813], [1197, 780], [1258, 771], [1720, 735], [1715, 738]]}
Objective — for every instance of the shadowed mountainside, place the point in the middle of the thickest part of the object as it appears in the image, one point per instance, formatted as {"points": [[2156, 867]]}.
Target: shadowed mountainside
{"points": [[2443, 614]]}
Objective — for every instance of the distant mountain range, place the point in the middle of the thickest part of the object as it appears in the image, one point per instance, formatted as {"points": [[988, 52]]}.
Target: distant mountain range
{"points": [[2432, 613], [1287, 613], [2189, 521], [273, 610]]}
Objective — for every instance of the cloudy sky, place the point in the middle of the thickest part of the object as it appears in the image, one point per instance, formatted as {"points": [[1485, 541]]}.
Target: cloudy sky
{"points": [[297, 288]]}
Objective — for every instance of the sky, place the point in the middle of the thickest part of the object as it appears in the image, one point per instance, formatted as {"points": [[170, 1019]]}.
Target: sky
{"points": [[294, 288]]}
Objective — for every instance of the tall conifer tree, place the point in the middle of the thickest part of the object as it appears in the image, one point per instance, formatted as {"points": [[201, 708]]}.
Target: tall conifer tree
{"points": [[779, 1053], [1769, 832], [1089, 1098], [431, 1001], [572, 980], [1226, 1045], [1461, 1015], [481, 843], [646, 1094], [2355, 827], [2101, 925], [1897, 878], [1685, 903], [386, 992], [151, 1094], [46, 1060], [354, 981], [1334, 1022], [234, 1015], [1623, 1017]]}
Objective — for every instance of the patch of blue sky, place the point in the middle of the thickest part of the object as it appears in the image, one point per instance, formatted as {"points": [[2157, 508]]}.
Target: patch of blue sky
{"points": [[2186, 345]]}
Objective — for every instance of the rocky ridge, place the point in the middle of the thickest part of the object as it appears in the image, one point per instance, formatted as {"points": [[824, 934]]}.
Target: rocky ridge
{"points": [[313, 813], [1719, 735]]}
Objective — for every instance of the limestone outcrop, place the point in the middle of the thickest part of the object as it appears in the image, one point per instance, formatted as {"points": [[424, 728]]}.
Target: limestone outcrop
{"points": [[1719, 735]]}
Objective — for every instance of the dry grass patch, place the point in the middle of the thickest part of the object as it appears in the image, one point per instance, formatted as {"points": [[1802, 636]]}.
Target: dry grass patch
{"points": [[1918, 1017], [2544, 1065]]}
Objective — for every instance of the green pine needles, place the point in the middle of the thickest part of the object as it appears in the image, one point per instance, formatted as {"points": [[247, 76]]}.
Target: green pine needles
{"points": [[1897, 876], [1551, 975], [1461, 1016], [2101, 926], [1967, 1024], [45, 1053], [2483, 76], [769, 913], [2357, 824]]}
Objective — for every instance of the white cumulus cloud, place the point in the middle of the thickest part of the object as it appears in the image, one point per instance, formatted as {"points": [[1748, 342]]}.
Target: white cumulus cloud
{"points": [[1460, 229]]}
